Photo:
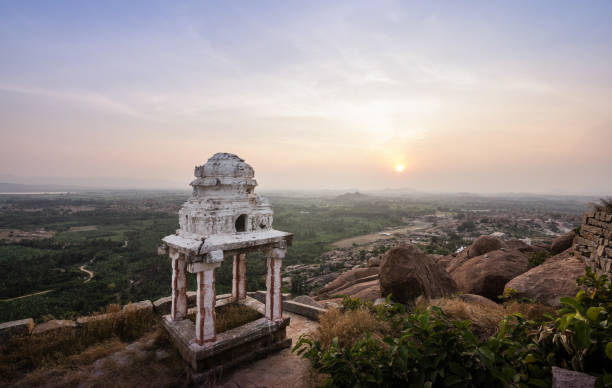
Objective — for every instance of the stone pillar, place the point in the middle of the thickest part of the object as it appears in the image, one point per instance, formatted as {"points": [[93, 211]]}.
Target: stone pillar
{"points": [[178, 310], [274, 302], [239, 277], [205, 317]]}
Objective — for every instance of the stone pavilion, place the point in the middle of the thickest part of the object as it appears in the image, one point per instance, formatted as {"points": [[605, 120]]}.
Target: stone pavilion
{"points": [[224, 218]]}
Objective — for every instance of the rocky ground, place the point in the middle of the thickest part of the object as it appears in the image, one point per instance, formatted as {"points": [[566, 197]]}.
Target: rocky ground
{"points": [[490, 267], [283, 369], [435, 233], [152, 361]]}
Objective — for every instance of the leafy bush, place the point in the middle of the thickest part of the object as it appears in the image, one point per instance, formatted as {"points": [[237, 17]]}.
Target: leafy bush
{"points": [[428, 349], [538, 257], [578, 338]]}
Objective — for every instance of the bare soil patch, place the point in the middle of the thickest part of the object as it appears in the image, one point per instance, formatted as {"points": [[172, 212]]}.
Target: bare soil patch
{"points": [[16, 235], [382, 235], [86, 228]]}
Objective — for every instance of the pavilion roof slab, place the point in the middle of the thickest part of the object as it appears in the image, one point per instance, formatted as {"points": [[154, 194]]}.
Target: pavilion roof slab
{"points": [[197, 249]]}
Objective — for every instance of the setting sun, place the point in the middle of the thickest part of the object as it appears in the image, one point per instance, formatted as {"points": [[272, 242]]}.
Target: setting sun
{"points": [[399, 168]]}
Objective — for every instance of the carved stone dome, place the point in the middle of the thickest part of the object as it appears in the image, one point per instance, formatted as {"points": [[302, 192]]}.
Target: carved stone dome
{"points": [[223, 164], [222, 172]]}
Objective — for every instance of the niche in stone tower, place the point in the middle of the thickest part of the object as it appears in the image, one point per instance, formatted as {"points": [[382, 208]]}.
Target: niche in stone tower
{"points": [[241, 223]]}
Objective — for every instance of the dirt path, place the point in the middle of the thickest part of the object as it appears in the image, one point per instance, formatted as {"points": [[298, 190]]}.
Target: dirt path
{"points": [[88, 272], [282, 369], [26, 296], [383, 235]]}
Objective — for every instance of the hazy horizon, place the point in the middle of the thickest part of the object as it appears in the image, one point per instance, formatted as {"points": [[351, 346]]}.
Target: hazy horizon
{"points": [[485, 97]]}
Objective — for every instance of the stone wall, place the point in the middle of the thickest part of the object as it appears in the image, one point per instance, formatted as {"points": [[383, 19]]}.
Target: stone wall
{"points": [[594, 242], [26, 327]]}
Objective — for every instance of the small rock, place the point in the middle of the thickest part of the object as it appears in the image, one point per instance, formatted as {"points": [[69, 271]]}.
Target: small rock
{"points": [[161, 354], [562, 243], [484, 244], [563, 378]]}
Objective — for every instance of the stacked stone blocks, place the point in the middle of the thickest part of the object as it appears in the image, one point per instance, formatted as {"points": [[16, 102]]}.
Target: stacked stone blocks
{"points": [[594, 242]]}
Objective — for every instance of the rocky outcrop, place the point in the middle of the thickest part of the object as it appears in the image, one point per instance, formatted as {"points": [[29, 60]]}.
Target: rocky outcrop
{"points": [[369, 290], [486, 275], [484, 244], [359, 282], [562, 242], [406, 273], [548, 282]]}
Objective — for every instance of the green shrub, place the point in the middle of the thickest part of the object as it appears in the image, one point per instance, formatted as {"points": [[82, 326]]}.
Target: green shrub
{"points": [[538, 257], [427, 349], [430, 350], [578, 338]]}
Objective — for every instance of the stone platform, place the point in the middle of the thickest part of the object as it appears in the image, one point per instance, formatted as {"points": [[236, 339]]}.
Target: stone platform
{"points": [[232, 348]]}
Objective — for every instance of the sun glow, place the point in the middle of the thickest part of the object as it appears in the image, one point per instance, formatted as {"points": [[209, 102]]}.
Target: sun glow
{"points": [[399, 168]]}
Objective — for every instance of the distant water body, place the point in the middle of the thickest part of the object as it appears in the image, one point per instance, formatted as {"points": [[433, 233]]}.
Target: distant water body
{"points": [[37, 193]]}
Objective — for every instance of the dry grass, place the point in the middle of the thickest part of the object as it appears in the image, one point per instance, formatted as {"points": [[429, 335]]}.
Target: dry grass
{"points": [[485, 318], [349, 326], [232, 315], [534, 311], [142, 371], [60, 347]]}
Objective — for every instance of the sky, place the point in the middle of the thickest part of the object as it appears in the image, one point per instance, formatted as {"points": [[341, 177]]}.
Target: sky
{"points": [[479, 96]]}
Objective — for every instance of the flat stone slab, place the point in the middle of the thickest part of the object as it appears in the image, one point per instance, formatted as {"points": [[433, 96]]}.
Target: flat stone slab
{"points": [[52, 325], [138, 306], [261, 295], [305, 299], [227, 243], [306, 310], [15, 328], [96, 318]]}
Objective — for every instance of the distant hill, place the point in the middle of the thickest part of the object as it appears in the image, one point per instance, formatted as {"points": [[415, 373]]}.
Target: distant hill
{"points": [[6, 187], [356, 196]]}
